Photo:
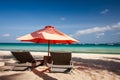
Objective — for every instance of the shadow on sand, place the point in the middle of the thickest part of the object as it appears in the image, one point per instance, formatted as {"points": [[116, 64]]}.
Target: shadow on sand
{"points": [[13, 77], [110, 65], [27, 76], [42, 75]]}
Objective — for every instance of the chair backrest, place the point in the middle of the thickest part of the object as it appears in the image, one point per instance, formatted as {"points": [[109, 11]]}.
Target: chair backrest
{"points": [[23, 56], [60, 58]]}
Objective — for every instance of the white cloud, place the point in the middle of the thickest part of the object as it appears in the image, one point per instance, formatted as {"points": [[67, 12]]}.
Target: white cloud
{"points": [[94, 30], [104, 11], [98, 35], [62, 18], [117, 25], [97, 30], [6, 35]]}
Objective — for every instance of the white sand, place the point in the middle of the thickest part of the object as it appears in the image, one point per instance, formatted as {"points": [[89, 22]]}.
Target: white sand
{"points": [[86, 67]]}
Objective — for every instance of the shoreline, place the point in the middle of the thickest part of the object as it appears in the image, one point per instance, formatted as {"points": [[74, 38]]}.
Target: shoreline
{"points": [[65, 51], [75, 48], [86, 67], [73, 54]]}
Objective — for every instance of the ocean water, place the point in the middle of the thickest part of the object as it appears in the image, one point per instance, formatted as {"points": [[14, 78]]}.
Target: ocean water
{"points": [[75, 48]]}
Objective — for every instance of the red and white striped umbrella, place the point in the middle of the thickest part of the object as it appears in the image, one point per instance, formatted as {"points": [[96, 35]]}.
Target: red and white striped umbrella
{"points": [[47, 35]]}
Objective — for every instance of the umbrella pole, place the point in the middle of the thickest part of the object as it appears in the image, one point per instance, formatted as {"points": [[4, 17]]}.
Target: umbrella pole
{"points": [[48, 47]]}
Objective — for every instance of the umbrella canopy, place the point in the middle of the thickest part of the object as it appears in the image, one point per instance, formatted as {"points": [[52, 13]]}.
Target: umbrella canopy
{"points": [[47, 35]]}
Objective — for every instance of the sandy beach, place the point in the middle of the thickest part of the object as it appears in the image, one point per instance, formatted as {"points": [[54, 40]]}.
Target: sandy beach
{"points": [[86, 67]]}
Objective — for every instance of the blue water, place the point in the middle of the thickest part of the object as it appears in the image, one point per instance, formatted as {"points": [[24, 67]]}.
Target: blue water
{"points": [[76, 48]]}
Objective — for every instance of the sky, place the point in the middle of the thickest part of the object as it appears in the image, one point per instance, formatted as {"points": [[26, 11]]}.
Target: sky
{"points": [[89, 21]]}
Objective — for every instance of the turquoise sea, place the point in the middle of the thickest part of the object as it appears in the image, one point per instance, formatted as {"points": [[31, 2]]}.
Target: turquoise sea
{"points": [[75, 48]]}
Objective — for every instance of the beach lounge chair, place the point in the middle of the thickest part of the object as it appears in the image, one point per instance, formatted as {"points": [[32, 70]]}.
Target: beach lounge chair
{"points": [[25, 60], [61, 62]]}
